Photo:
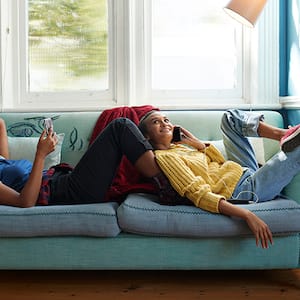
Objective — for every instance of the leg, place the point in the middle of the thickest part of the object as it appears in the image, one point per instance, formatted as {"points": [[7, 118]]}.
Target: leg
{"points": [[267, 182], [95, 171], [236, 126], [275, 174], [289, 138], [267, 131], [3, 140]]}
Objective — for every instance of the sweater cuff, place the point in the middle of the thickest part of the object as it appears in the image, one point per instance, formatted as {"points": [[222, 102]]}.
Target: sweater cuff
{"points": [[210, 202]]}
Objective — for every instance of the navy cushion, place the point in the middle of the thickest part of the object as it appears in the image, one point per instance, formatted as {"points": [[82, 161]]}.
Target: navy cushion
{"points": [[142, 215], [90, 220]]}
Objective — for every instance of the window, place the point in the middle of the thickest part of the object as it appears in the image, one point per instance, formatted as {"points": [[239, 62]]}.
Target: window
{"points": [[87, 54], [56, 54], [197, 56], [195, 48], [67, 46]]}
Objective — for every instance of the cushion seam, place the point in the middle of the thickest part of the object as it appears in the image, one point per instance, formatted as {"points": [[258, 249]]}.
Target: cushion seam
{"points": [[201, 212], [55, 213]]}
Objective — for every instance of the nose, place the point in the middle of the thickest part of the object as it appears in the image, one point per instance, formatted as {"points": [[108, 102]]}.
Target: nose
{"points": [[164, 124]]}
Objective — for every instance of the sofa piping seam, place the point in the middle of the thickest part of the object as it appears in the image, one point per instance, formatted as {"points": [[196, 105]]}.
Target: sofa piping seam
{"points": [[55, 213], [200, 212]]}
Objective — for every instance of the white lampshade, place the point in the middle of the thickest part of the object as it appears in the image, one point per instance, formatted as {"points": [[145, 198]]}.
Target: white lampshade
{"points": [[245, 11]]}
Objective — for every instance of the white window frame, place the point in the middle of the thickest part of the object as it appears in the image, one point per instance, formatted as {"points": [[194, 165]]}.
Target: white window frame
{"points": [[128, 61]]}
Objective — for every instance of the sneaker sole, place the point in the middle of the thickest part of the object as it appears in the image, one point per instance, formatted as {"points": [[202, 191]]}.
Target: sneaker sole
{"points": [[291, 142]]}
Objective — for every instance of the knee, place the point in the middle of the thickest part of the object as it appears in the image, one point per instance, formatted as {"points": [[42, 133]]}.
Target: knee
{"points": [[121, 122], [118, 124], [227, 116], [230, 115]]}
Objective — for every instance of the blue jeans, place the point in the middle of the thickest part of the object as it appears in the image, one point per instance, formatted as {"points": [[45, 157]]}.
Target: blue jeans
{"points": [[257, 184], [96, 170]]}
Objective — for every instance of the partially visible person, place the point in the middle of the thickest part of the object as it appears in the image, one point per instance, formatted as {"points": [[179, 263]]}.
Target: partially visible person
{"points": [[24, 184], [200, 173]]}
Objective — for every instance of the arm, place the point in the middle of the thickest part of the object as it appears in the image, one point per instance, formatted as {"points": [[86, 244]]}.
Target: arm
{"points": [[259, 228], [29, 194], [189, 139], [210, 150], [3, 140]]}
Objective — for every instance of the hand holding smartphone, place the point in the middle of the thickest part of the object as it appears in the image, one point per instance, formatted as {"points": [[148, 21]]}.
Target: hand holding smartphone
{"points": [[48, 124], [176, 134]]}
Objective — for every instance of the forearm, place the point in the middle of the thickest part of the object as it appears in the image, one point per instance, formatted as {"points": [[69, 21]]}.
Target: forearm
{"points": [[197, 144], [30, 192], [226, 208]]}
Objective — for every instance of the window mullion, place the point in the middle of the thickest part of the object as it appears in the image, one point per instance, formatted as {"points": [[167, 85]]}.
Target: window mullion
{"points": [[137, 50], [9, 53]]}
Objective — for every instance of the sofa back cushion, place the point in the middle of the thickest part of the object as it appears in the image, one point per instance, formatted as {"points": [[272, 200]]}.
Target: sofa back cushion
{"points": [[206, 126], [78, 127]]}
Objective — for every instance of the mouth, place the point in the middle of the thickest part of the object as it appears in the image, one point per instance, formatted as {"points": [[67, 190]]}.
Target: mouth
{"points": [[166, 130]]}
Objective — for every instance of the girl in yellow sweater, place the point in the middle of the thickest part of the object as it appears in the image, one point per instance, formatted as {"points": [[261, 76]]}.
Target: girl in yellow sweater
{"points": [[199, 172]]}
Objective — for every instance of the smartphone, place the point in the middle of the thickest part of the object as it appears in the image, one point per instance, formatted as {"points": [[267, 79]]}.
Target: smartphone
{"points": [[176, 134], [239, 201], [48, 123]]}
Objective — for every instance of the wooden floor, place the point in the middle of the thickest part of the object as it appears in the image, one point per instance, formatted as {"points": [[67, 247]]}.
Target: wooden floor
{"points": [[143, 285]]}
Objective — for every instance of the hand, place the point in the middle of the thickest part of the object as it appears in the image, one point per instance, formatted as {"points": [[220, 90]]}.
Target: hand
{"points": [[46, 143], [260, 229], [189, 139]]}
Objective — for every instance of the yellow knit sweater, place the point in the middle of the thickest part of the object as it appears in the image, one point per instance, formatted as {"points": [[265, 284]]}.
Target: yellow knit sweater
{"points": [[204, 177]]}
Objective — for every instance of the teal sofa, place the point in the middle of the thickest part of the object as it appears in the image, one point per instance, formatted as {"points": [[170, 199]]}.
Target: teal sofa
{"points": [[140, 233]]}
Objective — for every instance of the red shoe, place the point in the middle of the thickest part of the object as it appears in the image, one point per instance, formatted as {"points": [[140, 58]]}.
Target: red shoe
{"points": [[291, 139]]}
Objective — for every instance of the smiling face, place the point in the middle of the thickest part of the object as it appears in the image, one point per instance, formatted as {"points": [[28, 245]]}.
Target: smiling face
{"points": [[158, 130]]}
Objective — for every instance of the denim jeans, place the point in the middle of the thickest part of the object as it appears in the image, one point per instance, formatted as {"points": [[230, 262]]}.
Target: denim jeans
{"points": [[95, 171], [257, 184]]}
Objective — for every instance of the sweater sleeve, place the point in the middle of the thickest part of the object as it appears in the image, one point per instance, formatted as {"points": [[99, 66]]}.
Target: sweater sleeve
{"points": [[186, 183], [214, 153]]}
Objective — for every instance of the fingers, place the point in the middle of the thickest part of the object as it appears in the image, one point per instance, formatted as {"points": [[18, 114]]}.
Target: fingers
{"points": [[43, 135], [264, 237], [52, 135], [186, 133], [48, 141]]}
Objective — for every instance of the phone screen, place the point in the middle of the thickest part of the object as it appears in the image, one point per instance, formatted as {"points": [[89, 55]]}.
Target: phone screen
{"points": [[48, 124], [176, 134]]}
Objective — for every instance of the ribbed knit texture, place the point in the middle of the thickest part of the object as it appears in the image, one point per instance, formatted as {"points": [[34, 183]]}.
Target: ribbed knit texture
{"points": [[204, 177]]}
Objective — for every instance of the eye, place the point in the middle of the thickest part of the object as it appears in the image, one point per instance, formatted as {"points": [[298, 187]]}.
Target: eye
{"points": [[167, 120]]}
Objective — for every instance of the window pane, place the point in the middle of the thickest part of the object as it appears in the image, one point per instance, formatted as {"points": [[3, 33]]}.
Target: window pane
{"points": [[194, 45], [67, 45]]}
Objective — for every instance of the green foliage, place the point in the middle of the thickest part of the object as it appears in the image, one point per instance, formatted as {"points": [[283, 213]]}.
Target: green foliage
{"points": [[69, 32]]}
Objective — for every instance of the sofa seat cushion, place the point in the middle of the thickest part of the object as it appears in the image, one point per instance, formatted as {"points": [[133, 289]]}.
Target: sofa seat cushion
{"points": [[141, 214], [97, 220]]}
